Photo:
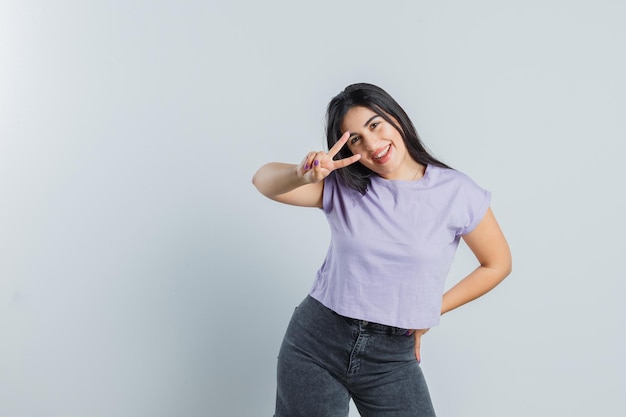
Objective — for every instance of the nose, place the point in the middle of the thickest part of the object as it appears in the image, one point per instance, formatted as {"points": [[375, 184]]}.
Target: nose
{"points": [[368, 142]]}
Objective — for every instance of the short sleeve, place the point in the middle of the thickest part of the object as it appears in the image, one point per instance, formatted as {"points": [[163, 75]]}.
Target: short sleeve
{"points": [[328, 192], [478, 200], [336, 195]]}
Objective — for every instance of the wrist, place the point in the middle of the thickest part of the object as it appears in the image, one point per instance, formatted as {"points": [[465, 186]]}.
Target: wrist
{"points": [[299, 174]]}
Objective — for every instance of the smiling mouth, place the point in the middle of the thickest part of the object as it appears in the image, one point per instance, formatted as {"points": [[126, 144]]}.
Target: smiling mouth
{"points": [[381, 154]]}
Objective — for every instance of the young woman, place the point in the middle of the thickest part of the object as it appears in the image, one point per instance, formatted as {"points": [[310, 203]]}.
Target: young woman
{"points": [[396, 216]]}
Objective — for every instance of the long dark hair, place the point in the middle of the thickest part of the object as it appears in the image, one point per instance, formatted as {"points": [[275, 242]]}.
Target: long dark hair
{"points": [[357, 176]]}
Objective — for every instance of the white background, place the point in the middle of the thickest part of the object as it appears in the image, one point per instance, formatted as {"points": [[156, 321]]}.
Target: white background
{"points": [[141, 274]]}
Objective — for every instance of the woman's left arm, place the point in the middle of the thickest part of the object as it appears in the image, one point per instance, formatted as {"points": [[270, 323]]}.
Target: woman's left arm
{"points": [[489, 245]]}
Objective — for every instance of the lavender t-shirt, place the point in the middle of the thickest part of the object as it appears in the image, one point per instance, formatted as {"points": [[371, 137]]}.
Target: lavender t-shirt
{"points": [[392, 248]]}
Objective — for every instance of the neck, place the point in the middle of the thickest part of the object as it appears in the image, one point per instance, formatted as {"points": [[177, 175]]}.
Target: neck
{"points": [[418, 171]]}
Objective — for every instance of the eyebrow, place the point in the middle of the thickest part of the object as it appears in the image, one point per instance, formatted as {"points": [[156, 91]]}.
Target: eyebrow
{"points": [[366, 123], [370, 119]]}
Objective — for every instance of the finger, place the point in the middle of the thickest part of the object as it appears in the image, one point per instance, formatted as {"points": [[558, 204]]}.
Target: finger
{"points": [[338, 145], [418, 343], [307, 162], [341, 163], [317, 159], [319, 168]]}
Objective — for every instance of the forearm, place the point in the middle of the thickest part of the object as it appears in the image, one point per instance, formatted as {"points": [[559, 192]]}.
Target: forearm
{"points": [[276, 178], [479, 282]]}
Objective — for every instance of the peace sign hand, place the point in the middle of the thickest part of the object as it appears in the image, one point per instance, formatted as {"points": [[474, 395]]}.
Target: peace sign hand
{"points": [[318, 165]]}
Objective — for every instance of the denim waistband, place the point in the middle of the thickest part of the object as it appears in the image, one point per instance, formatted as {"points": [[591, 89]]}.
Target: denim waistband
{"points": [[372, 327]]}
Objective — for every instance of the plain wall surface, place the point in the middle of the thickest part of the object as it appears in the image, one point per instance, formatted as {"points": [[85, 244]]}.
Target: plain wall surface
{"points": [[141, 274]]}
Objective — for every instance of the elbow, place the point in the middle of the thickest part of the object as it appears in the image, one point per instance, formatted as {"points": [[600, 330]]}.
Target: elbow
{"points": [[504, 262], [500, 268], [507, 271], [257, 182], [261, 184], [506, 266]]}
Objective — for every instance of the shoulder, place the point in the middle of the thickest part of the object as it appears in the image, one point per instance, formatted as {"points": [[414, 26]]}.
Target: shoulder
{"points": [[338, 192], [458, 186], [448, 174], [448, 178], [335, 191]]}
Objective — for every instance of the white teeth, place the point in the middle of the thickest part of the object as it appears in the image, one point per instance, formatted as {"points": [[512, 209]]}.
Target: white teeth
{"points": [[382, 153]]}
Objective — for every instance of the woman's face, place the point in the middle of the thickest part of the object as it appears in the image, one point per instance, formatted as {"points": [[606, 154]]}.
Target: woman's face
{"points": [[379, 143]]}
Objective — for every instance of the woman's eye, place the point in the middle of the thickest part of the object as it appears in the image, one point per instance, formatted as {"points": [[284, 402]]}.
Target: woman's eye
{"points": [[373, 125], [354, 140]]}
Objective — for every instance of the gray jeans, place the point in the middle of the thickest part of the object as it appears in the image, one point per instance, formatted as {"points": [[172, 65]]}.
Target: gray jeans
{"points": [[326, 359]]}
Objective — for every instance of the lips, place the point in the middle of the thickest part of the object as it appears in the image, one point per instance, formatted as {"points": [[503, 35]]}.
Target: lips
{"points": [[380, 156]]}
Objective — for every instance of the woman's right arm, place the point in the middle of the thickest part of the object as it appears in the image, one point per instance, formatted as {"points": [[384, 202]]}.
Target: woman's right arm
{"points": [[302, 184], [283, 183]]}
